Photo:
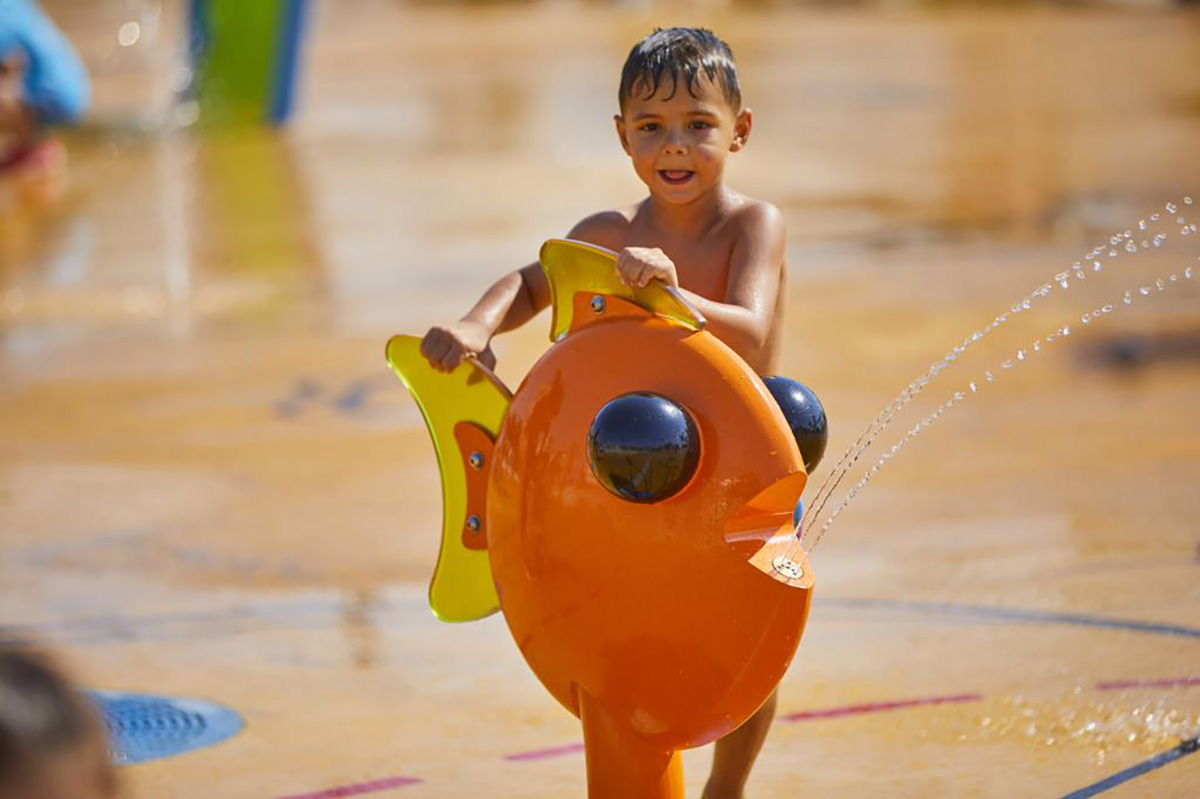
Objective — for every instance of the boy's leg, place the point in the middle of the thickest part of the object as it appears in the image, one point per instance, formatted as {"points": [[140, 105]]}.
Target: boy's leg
{"points": [[734, 755]]}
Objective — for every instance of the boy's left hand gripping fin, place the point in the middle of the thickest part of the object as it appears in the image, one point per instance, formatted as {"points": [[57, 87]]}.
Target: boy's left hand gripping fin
{"points": [[463, 410]]}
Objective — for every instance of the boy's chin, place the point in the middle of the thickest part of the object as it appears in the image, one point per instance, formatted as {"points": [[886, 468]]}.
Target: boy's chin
{"points": [[675, 195]]}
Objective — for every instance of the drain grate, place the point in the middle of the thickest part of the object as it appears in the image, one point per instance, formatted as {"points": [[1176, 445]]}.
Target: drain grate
{"points": [[144, 727]]}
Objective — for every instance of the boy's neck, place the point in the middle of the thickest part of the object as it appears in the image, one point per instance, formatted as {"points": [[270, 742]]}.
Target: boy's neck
{"points": [[693, 219]]}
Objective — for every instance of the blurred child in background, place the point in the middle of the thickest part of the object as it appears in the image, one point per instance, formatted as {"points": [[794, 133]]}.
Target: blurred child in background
{"points": [[42, 83], [53, 743]]}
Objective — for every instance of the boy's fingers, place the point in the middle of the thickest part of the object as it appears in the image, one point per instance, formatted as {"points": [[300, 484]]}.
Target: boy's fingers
{"points": [[430, 342], [437, 354], [643, 275]]}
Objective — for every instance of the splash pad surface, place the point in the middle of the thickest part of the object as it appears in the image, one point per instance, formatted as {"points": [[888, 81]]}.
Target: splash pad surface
{"points": [[253, 510]]}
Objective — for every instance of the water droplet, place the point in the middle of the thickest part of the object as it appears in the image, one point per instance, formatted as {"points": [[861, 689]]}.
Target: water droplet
{"points": [[1187, 273], [1008, 364], [1129, 298], [1037, 346], [1097, 266], [989, 376], [1173, 278], [1185, 232], [1085, 319], [1142, 224], [1170, 208], [973, 387], [1112, 253], [1066, 330], [1187, 200], [1026, 305], [1144, 291], [1128, 234], [1062, 281], [129, 34], [1020, 355], [1115, 240], [1106, 309], [1080, 276], [1130, 247], [1145, 244], [1180, 220], [1159, 284], [1155, 217]]}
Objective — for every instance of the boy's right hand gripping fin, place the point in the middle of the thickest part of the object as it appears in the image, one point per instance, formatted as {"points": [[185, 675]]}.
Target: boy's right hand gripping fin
{"points": [[463, 410], [575, 267]]}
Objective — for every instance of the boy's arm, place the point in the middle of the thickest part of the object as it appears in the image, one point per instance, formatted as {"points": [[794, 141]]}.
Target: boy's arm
{"points": [[509, 303], [744, 320]]}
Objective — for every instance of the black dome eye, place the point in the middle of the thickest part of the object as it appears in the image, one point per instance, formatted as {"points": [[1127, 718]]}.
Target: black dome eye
{"points": [[643, 447], [804, 415]]}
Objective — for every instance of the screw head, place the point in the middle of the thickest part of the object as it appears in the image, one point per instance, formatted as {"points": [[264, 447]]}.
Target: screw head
{"points": [[598, 304], [473, 523]]}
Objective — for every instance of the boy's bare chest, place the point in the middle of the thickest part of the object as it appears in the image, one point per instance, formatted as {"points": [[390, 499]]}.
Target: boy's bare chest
{"points": [[702, 265]]}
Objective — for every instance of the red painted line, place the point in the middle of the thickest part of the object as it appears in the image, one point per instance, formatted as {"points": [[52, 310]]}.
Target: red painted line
{"points": [[357, 789], [539, 754], [879, 707], [804, 715], [1117, 686]]}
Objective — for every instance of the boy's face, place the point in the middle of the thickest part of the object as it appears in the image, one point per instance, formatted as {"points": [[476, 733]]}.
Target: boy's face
{"points": [[679, 145]]}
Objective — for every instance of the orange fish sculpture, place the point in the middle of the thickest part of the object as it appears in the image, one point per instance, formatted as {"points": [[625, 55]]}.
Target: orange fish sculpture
{"points": [[630, 510]]}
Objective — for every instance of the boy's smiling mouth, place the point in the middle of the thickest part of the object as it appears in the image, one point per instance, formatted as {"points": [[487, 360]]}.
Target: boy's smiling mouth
{"points": [[675, 177]]}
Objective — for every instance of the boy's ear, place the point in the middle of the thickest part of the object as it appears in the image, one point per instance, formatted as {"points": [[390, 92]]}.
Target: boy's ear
{"points": [[741, 130], [620, 120]]}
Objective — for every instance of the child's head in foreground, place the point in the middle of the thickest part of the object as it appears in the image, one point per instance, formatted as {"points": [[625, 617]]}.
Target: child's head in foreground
{"points": [[681, 112], [52, 741]]}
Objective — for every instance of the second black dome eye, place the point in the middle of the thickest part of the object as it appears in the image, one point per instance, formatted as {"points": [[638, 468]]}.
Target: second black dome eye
{"points": [[643, 447], [804, 416]]}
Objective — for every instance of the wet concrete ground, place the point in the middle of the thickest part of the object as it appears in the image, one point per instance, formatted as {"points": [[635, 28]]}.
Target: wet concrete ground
{"points": [[210, 485]]}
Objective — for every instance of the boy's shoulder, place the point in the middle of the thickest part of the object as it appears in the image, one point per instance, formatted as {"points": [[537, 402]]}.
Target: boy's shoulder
{"points": [[754, 215], [608, 229]]}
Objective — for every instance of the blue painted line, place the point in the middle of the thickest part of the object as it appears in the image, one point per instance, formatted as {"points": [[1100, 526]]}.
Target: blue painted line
{"points": [[954, 609], [312, 614], [1186, 748], [307, 390]]}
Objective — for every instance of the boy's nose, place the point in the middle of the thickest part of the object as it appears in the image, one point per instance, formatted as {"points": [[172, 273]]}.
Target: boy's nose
{"points": [[674, 145]]}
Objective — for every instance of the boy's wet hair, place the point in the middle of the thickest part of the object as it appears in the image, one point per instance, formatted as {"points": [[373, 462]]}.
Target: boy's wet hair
{"points": [[680, 53], [42, 717]]}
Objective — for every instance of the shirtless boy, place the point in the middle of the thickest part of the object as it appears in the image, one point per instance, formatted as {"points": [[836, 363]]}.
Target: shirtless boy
{"points": [[681, 115]]}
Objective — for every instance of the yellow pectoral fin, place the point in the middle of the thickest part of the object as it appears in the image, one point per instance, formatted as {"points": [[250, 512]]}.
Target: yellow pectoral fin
{"points": [[572, 267], [462, 587]]}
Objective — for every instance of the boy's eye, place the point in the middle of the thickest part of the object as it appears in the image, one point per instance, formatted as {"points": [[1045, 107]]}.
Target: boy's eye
{"points": [[700, 124], [649, 127]]}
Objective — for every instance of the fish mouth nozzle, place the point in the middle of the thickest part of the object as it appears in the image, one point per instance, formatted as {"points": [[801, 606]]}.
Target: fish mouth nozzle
{"points": [[764, 532]]}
